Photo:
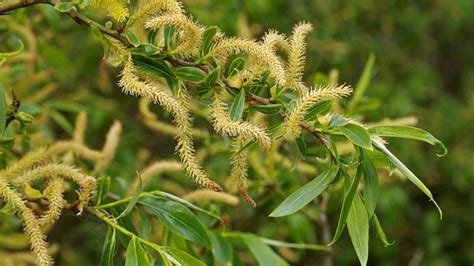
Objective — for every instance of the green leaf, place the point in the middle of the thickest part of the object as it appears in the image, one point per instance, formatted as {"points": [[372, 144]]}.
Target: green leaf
{"points": [[145, 49], [223, 251], [132, 38], [158, 68], [208, 40], [213, 77], [235, 66], [408, 173], [371, 184], [133, 201], [109, 249], [337, 121], [136, 255], [268, 108], [178, 219], [380, 232], [181, 257], [151, 36], [3, 109], [347, 202], [261, 251], [191, 74], [64, 7], [363, 84], [305, 194], [103, 184], [301, 148], [62, 121], [406, 132], [170, 38], [358, 226], [319, 108], [237, 107], [357, 135], [146, 224]]}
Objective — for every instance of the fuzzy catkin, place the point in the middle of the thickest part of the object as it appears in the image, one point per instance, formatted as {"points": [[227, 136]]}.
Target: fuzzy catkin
{"points": [[191, 32], [131, 84], [223, 123], [305, 102]]}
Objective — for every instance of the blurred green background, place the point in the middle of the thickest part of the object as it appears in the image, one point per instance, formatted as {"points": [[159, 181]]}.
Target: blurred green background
{"points": [[424, 68]]}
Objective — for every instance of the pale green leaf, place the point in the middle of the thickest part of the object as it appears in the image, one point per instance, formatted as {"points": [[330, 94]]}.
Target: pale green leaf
{"points": [[136, 255], [357, 135], [237, 107]]}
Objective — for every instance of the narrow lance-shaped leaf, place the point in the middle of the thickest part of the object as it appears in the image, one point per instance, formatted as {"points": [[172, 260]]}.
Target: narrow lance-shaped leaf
{"points": [[363, 83], [237, 107], [347, 202], [407, 132], [109, 249], [357, 135], [178, 219], [358, 227], [136, 255], [380, 232], [305, 194], [133, 201], [301, 147], [235, 66], [261, 251], [191, 74], [371, 185], [408, 173], [208, 40], [179, 257]]}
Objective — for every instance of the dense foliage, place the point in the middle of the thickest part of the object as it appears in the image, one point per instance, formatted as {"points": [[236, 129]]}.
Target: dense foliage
{"points": [[306, 162]]}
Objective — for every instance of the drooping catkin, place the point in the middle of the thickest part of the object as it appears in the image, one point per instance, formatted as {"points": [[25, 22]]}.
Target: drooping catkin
{"points": [[240, 169], [131, 84], [30, 223], [305, 102], [223, 123], [54, 193]]}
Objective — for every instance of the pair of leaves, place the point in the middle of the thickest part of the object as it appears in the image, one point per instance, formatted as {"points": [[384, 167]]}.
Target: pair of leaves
{"points": [[305, 194], [158, 68], [177, 218]]}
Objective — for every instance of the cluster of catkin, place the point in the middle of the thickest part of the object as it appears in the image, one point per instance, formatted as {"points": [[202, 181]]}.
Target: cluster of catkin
{"points": [[41, 165], [265, 57]]}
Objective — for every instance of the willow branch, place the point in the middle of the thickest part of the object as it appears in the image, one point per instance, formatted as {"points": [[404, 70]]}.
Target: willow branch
{"points": [[8, 7]]}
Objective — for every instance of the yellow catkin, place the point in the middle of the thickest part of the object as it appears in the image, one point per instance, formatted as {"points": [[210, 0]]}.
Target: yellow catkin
{"points": [[240, 168], [78, 136], [259, 52], [86, 183], [274, 40], [151, 121], [206, 194], [223, 123], [296, 56], [111, 142], [31, 226], [79, 149], [153, 170], [115, 8], [191, 37], [148, 8], [54, 193], [305, 102], [29, 160], [131, 84]]}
